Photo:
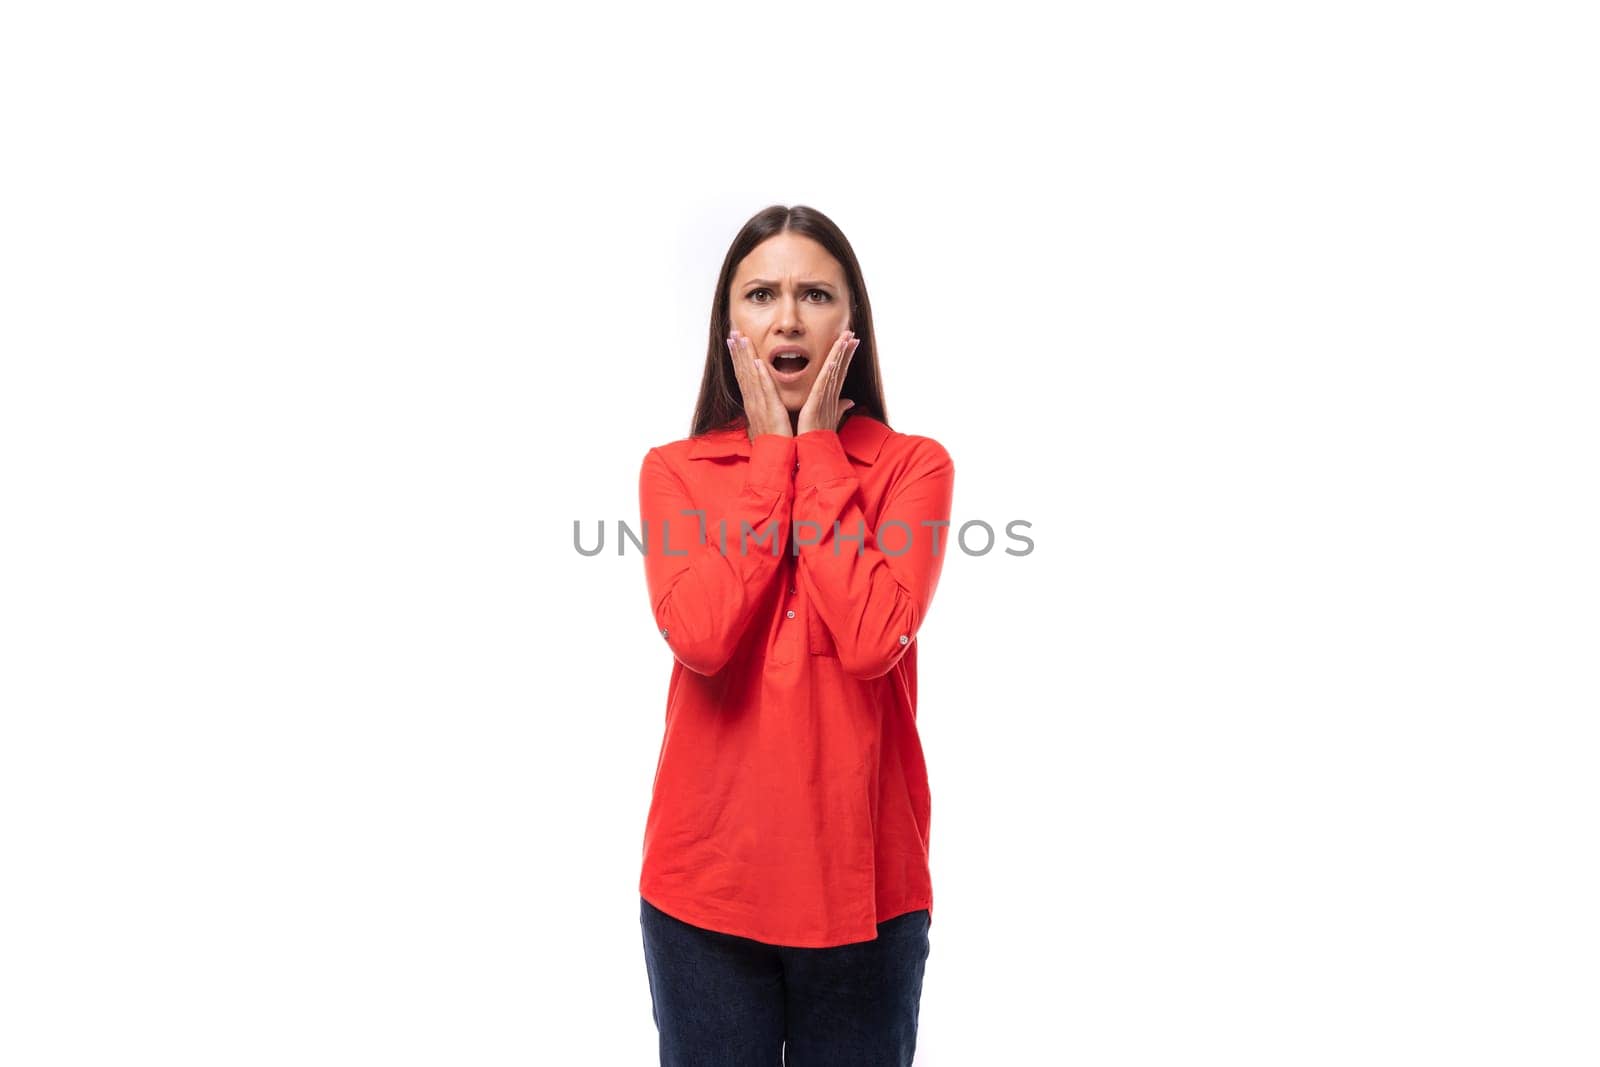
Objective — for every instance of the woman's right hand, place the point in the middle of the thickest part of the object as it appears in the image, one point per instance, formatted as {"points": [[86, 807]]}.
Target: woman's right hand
{"points": [[763, 408]]}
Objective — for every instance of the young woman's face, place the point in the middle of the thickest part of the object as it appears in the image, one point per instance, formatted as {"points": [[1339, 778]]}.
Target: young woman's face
{"points": [[790, 291]]}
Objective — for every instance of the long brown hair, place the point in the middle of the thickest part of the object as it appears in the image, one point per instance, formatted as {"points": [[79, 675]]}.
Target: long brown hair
{"points": [[720, 403]]}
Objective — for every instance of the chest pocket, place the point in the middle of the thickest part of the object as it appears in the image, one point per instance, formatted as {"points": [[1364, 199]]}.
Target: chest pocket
{"points": [[821, 637]]}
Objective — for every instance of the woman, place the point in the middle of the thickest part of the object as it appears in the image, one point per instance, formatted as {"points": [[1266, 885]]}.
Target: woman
{"points": [[792, 545]]}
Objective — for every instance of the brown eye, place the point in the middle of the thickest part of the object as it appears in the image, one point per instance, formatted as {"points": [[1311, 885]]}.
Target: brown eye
{"points": [[826, 295]]}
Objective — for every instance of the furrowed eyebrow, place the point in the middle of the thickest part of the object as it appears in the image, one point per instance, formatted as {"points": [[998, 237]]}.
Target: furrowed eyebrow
{"points": [[814, 283]]}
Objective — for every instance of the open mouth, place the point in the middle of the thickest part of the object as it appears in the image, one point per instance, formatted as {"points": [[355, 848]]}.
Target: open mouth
{"points": [[789, 365]]}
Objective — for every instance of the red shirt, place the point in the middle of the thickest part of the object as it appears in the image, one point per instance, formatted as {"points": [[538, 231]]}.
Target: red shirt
{"points": [[790, 802]]}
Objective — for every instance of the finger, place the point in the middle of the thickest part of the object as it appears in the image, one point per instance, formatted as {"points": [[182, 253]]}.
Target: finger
{"points": [[836, 372], [769, 388], [753, 362], [749, 386], [778, 417], [823, 397], [819, 388], [763, 390], [831, 374], [748, 357], [844, 368], [844, 375], [842, 372], [738, 364], [845, 354], [827, 361]]}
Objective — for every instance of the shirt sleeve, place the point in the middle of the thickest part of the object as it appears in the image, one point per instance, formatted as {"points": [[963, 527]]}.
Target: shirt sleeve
{"points": [[703, 598], [872, 588]]}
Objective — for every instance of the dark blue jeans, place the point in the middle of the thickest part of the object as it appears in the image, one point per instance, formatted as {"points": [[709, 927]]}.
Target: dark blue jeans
{"points": [[726, 1001]]}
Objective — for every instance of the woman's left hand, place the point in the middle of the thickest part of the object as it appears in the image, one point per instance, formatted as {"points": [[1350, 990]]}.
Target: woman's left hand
{"points": [[823, 408]]}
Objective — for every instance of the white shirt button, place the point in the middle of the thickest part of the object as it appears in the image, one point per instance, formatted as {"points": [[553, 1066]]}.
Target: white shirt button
{"points": [[791, 614], [904, 640], [663, 631]]}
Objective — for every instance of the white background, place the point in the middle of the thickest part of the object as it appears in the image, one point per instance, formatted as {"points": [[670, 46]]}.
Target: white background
{"points": [[322, 323]]}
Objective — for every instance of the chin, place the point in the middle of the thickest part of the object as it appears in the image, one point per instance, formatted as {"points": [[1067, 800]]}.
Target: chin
{"points": [[796, 394]]}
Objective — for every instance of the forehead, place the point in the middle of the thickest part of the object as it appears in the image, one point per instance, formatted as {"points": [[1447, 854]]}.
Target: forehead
{"points": [[790, 257]]}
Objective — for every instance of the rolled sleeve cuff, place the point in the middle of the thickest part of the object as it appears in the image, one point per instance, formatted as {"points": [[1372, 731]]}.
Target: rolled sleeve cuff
{"points": [[821, 459], [771, 461]]}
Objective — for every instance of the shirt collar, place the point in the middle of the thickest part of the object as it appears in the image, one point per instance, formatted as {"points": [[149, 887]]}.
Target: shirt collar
{"points": [[861, 435]]}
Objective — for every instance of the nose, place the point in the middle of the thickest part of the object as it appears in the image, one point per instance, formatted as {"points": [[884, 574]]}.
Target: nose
{"points": [[788, 313]]}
